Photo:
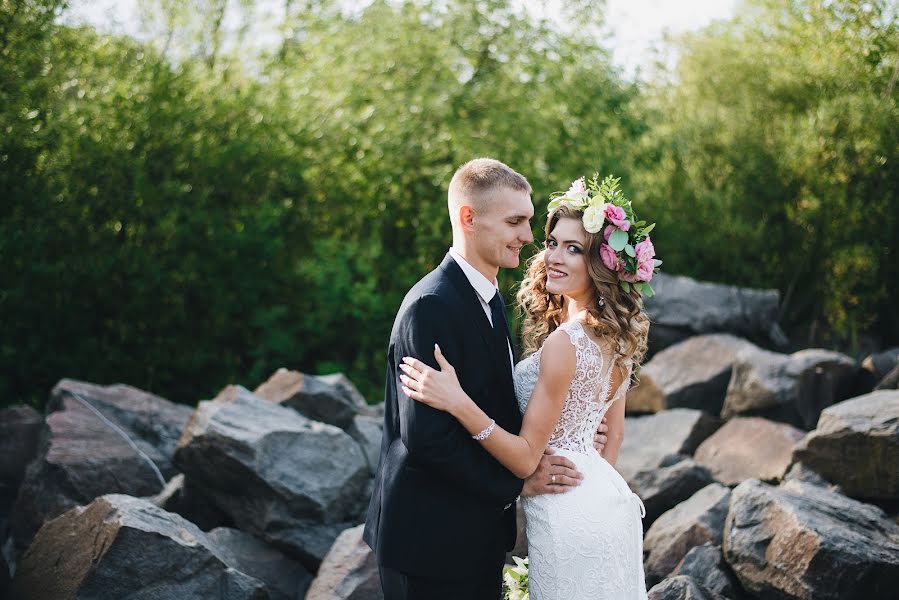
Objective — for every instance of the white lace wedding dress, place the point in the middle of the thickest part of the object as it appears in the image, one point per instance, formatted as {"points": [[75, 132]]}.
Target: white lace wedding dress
{"points": [[585, 544]]}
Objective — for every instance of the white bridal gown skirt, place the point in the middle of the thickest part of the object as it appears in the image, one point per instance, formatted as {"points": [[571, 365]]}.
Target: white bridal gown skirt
{"points": [[587, 543]]}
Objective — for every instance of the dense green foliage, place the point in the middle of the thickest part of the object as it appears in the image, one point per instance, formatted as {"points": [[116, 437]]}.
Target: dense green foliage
{"points": [[178, 216], [775, 152]]}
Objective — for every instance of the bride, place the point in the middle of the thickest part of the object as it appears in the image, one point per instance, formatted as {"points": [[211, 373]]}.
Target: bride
{"points": [[584, 330]]}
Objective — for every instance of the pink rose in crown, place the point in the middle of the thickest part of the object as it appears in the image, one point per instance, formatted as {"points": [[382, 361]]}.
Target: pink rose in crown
{"points": [[608, 231], [616, 215], [644, 271], [609, 257], [645, 251]]}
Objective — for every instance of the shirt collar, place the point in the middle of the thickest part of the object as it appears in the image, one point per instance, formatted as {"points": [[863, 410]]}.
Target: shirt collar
{"points": [[485, 289]]}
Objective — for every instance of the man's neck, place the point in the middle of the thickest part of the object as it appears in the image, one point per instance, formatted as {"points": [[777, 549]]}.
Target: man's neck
{"points": [[488, 271]]}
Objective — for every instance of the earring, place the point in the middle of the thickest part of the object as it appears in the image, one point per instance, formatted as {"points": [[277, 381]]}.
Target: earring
{"points": [[602, 302]]}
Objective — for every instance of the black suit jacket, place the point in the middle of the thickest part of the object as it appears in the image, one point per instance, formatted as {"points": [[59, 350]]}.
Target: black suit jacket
{"points": [[438, 507]]}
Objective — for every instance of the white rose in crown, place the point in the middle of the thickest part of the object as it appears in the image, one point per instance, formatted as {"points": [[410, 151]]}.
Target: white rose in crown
{"points": [[594, 217]]}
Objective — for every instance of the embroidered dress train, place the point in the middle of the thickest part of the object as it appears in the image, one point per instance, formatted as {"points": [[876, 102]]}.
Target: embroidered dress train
{"points": [[586, 543]]}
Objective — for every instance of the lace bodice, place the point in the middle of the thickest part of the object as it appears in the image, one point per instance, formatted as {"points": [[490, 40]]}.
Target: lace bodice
{"points": [[588, 542], [588, 396]]}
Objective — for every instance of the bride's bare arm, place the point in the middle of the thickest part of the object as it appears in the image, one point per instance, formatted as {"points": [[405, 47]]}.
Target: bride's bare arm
{"points": [[519, 453]]}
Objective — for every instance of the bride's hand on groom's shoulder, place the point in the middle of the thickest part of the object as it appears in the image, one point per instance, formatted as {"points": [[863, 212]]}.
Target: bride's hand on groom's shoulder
{"points": [[438, 389]]}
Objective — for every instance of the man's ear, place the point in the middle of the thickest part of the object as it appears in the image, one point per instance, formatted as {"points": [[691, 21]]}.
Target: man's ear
{"points": [[466, 217]]}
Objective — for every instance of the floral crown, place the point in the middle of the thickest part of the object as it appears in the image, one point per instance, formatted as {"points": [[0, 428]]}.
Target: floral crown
{"points": [[626, 249]]}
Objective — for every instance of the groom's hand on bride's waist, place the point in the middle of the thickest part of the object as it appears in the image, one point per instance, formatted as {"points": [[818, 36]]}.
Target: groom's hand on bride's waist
{"points": [[554, 475], [600, 438]]}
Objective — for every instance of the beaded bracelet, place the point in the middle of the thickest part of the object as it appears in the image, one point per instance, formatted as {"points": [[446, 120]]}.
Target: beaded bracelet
{"points": [[486, 432]]}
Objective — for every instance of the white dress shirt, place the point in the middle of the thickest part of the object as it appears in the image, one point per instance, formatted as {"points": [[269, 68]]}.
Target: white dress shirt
{"points": [[484, 288]]}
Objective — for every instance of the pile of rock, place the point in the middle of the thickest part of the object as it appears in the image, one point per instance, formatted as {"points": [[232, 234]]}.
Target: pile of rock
{"points": [[128, 494], [763, 474], [761, 509]]}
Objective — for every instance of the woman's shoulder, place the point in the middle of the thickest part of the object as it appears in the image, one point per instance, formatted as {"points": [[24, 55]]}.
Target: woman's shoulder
{"points": [[559, 345], [558, 358]]}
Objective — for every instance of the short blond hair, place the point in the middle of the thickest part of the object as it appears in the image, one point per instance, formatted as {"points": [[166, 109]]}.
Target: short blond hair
{"points": [[473, 183]]}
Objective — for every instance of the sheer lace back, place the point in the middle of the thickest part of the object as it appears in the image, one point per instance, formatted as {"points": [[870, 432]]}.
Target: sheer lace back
{"points": [[588, 542], [588, 396]]}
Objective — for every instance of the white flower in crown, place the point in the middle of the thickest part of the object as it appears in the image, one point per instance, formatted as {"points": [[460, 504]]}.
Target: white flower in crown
{"points": [[578, 190], [594, 216], [576, 197]]}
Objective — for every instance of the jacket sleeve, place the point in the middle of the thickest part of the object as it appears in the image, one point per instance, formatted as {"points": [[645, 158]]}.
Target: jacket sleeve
{"points": [[432, 437]]}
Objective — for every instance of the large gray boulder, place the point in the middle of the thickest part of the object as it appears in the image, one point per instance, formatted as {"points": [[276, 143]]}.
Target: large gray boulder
{"points": [[644, 397], [881, 363], [683, 307], [284, 578], [804, 541], [151, 422], [800, 472], [96, 440], [664, 488], [682, 587], [291, 481], [330, 399], [890, 381], [791, 388], [694, 522], [124, 547], [856, 445], [20, 428], [749, 447], [368, 431], [706, 565], [648, 440], [695, 372], [349, 571], [180, 497]]}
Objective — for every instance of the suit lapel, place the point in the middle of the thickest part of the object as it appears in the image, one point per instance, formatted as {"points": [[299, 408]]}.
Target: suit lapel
{"points": [[471, 304], [475, 311]]}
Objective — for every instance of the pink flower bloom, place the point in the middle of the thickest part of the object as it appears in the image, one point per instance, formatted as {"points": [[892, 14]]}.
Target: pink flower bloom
{"points": [[645, 251], [644, 271], [608, 231], [578, 186], [609, 257], [616, 215]]}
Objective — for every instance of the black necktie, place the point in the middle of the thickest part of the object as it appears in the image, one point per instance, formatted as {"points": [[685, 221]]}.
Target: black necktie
{"points": [[500, 327]]}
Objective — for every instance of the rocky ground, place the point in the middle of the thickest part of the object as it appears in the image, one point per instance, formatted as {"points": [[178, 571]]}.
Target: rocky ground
{"points": [[764, 475]]}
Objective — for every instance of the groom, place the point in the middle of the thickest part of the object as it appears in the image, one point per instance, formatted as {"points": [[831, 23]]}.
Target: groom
{"points": [[442, 512]]}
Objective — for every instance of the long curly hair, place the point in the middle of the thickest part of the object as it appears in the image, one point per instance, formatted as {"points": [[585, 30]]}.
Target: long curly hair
{"points": [[620, 319]]}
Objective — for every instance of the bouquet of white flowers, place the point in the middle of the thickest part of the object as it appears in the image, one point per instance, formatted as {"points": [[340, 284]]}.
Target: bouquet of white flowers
{"points": [[515, 580]]}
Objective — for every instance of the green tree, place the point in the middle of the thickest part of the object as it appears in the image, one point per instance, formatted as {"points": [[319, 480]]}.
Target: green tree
{"points": [[207, 220], [771, 156]]}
